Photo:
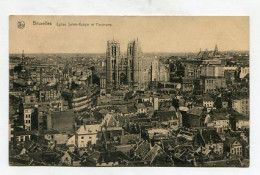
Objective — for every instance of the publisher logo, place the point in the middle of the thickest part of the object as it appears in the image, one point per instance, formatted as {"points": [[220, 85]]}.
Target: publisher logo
{"points": [[20, 24]]}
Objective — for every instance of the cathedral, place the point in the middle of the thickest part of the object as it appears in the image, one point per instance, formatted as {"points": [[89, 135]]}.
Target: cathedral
{"points": [[121, 70]]}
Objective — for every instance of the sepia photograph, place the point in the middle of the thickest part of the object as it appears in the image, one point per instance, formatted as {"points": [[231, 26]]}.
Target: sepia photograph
{"points": [[129, 91]]}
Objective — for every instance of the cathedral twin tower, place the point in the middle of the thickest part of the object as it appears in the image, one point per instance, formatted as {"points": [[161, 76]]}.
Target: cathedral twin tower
{"points": [[120, 70]]}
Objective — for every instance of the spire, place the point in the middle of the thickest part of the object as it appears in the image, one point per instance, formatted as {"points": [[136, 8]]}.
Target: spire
{"points": [[216, 50], [216, 47]]}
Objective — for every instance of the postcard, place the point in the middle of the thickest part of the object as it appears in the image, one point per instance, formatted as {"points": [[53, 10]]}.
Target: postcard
{"points": [[129, 91]]}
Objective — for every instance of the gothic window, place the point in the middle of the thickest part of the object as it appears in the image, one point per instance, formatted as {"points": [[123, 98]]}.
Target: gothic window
{"points": [[114, 51], [131, 65], [113, 64], [114, 77]]}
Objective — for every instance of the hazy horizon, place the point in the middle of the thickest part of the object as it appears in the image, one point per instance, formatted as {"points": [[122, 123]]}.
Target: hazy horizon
{"points": [[125, 52]]}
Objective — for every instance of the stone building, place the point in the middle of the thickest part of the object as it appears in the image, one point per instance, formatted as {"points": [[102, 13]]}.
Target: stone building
{"points": [[122, 70]]}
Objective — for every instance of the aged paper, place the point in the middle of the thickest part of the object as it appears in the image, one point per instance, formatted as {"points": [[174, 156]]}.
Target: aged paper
{"points": [[129, 91]]}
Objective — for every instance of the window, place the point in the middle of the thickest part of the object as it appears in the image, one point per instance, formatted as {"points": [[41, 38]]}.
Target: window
{"points": [[89, 143], [82, 137], [26, 137]]}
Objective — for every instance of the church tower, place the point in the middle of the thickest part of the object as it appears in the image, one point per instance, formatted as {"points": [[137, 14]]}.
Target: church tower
{"points": [[23, 71], [112, 60], [134, 54], [216, 50]]}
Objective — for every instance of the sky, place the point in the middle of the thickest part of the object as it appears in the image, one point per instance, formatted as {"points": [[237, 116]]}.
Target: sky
{"points": [[156, 34]]}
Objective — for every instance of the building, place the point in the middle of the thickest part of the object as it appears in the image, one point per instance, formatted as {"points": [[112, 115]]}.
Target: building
{"points": [[211, 84], [123, 71], [102, 84], [70, 159], [159, 72], [30, 118], [48, 93], [242, 123], [212, 77], [218, 120], [141, 108], [244, 71], [87, 135], [211, 140], [155, 71], [208, 102], [112, 60], [134, 56], [230, 74], [212, 71], [144, 79], [241, 105], [235, 146], [191, 71], [81, 100], [187, 84]]}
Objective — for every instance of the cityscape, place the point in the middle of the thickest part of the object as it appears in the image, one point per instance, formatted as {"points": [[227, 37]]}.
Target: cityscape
{"points": [[127, 107]]}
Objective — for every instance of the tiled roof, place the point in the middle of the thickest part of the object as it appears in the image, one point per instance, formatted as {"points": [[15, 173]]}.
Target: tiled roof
{"points": [[165, 115], [88, 129], [210, 135]]}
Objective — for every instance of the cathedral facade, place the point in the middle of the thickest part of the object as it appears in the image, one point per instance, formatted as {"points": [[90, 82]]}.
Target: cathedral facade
{"points": [[123, 70]]}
